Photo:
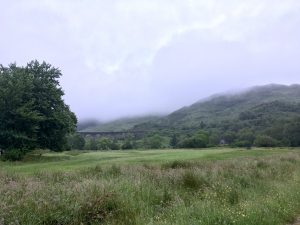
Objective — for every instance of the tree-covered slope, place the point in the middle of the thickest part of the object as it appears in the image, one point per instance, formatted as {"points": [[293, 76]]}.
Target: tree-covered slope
{"points": [[117, 125], [262, 116], [268, 100]]}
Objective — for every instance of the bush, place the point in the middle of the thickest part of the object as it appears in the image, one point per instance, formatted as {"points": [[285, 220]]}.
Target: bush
{"points": [[127, 145], [199, 140], [13, 155], [103, 144], [76, 141], [153, 142], [90, 144], [244, 144], [114, 145], [174, 141], [265, 141]]}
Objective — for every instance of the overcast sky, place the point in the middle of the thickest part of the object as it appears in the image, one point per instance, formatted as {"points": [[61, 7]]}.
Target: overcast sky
{"points": [[131, 57]]}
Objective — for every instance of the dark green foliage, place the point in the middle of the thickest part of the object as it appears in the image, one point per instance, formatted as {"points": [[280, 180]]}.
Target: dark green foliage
{"points": [[19, 121], [245, 144], [58, 119], [103, 144], [199, 140], [127, 145], [174, 141], [32, 111], [75, 141], [114, 145], [229, 137], [107, 144], [245, 138], [153, 142], [265, 141], [13, 155], [292, 132], [91, 144], [215, 139]]}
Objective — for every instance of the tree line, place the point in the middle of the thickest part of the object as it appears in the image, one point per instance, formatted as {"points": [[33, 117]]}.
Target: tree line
{"points": [[280, 134], [33, 115]]}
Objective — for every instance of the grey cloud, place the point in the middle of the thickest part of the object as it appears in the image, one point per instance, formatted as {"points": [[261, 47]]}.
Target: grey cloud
{"points": [[134, 57]]}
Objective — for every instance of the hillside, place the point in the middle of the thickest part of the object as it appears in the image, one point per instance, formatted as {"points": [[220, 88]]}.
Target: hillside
{"points": [[229, 106], [118, 125], [268, 114]]}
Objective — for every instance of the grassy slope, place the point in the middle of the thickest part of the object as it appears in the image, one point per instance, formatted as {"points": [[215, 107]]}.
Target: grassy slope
{"points": [[67, 161]]}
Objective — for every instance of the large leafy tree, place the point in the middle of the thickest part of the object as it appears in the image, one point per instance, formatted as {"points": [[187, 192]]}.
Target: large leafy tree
{"points": [[32, 111]]}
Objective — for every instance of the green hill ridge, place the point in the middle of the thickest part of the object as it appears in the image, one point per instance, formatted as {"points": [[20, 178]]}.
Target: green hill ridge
{"points": [[264, 116]]}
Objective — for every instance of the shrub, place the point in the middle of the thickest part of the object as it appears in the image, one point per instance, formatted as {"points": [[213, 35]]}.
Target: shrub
{"points": [[90, 144], [127, 145], [13, 155], [153, 142], [76, 141], [199, 140], [265, 141], [245, 144], [103, 143], [114, 145]]}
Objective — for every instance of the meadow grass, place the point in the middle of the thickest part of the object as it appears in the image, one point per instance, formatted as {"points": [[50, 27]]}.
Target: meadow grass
{"points": [[73, 160], [180, 187]]}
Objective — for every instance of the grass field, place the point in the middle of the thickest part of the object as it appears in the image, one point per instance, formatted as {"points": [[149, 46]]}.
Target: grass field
{"points": [[73, 160], [180, 187]]}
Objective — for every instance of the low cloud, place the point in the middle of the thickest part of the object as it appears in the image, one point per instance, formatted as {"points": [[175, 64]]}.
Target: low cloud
{"points": [[134, 57]]}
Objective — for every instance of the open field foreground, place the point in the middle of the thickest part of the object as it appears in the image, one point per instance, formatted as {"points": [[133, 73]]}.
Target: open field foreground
{"points": [[181, 187]]}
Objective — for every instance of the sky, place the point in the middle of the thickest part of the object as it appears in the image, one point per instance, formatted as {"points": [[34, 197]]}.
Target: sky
{"points": [[124, 58]]}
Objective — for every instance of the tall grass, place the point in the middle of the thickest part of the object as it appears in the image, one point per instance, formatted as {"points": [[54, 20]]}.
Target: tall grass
{"points": [[249, 191]]}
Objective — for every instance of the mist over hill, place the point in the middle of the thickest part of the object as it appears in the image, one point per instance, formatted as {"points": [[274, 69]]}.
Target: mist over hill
{"points": [[122, 124], [230, 106], [259, 103]]}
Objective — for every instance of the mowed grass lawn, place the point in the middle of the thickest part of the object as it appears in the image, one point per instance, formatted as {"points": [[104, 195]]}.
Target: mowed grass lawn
{"points": [[153, 187]]}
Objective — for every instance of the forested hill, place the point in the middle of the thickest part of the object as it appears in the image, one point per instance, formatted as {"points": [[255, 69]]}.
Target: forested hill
{"points": [[264, 115], [252, 104], [271, 110], [123, 124], [272, 98]]}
